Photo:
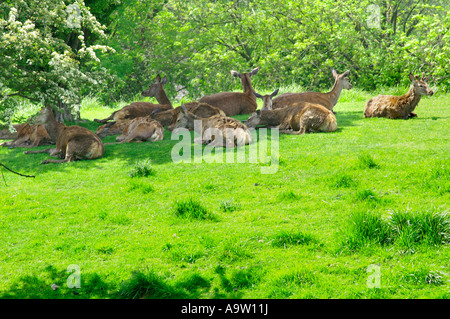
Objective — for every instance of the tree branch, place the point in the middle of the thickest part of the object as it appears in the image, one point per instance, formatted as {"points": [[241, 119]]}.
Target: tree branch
{"points": [[1, 164]]}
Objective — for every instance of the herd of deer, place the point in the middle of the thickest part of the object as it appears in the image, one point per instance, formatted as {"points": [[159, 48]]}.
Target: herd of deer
{"points": [[292, 113]]}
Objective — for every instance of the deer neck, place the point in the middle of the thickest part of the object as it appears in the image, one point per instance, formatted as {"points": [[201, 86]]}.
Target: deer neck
{"points": [[247, 84], [271, 117], [335, 92], [162, 98], [53, 127], [412, 98]]}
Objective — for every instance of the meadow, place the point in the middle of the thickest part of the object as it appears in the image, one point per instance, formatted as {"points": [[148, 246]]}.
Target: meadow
{"points": [[359, 213]]}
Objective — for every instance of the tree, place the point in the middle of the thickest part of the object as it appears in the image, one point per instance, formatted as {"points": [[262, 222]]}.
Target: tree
{"points": [[44, 54]]}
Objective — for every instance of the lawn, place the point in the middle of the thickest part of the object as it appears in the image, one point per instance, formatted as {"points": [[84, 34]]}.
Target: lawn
{"points": [[359, 213]]}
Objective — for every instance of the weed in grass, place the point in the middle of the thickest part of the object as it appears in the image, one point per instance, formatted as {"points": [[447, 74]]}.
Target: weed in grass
{"points": [[424, 276], [285, 238], [147, 285], [365, 228], [366, 160], [144, 187], [365, 195], [343, 181], [240, 279], [425, 227], [142, 169], [229, 206], [192, 209], [288, 196]]}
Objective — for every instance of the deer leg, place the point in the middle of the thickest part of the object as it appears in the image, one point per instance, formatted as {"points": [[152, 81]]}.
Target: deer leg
{"points": [[105, 120], [67, 159], [412, 114], [47, 150]]}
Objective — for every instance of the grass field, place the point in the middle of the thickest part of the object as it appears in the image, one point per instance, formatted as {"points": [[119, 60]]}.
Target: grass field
{"points": [[359, 213]]}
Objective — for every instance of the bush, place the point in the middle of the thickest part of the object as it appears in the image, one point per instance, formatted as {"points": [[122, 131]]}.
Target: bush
{"points": [[192, 209]]}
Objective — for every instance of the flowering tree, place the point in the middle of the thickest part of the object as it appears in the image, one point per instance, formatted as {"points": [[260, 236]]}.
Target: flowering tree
{"points": [[44, 54]]}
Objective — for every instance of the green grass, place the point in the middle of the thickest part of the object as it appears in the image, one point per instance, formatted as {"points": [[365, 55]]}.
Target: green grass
{"points": [[376, 192]]}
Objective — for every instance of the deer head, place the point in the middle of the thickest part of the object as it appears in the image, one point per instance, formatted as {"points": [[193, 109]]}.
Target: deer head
{"points": [[44, 115], [343, 78], [185, 119], [267, 99], [420, 84], [254, 119], [155, 87]]}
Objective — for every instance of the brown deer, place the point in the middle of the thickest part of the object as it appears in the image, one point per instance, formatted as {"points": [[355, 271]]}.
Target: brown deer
{"points": [[329, 99], [301, 118], [30, 136], [72, 142], [267, 100], [234, 103], [216, 130], [138, 109], [399, 107], [142, 129], [111, 128]]}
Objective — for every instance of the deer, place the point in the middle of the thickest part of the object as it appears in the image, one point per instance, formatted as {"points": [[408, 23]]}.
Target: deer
{"points": [[111, 128], [300, 118], [235, 103], [267, 100], [217, 130], [138, 109], [399, 107], [142, 129], [72, 142], [6, 134], [328, 100], [29, 136]]}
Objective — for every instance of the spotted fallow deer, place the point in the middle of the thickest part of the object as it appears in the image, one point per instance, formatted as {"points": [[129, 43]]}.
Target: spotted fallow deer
{"points": [[217, 130], [142, 129], [29, 136], [399, 107], [328, 100], [234, 103], [72, 142], [301, 118], [138, 109]]}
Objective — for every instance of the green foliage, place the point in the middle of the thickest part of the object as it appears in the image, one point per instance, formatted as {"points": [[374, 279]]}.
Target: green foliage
{"points": [[196, 43], [47, 54]]}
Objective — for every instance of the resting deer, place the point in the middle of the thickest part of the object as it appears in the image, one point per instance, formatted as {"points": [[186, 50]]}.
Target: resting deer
{"points": [[399, 107], [138, 109], [142, 129], [301, 118], [328, 100], [234, 103], [111, 128], [72, 142], [216, 130], [30, 136]]}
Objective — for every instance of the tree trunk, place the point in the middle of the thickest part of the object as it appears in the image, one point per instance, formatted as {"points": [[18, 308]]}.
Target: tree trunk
{"points": [[64, 113]]}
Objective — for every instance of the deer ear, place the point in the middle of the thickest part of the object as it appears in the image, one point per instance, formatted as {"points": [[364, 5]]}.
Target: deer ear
{"points": [[334, 72], [411, 77], [274, 93], [236, 74], [258, 95], [346, 73], [158, 78], [427, 78], [254, 71], [164, 80]]}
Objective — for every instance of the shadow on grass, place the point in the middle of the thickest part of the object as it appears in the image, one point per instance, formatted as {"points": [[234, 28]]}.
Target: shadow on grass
{"points": [[346, 119]]}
